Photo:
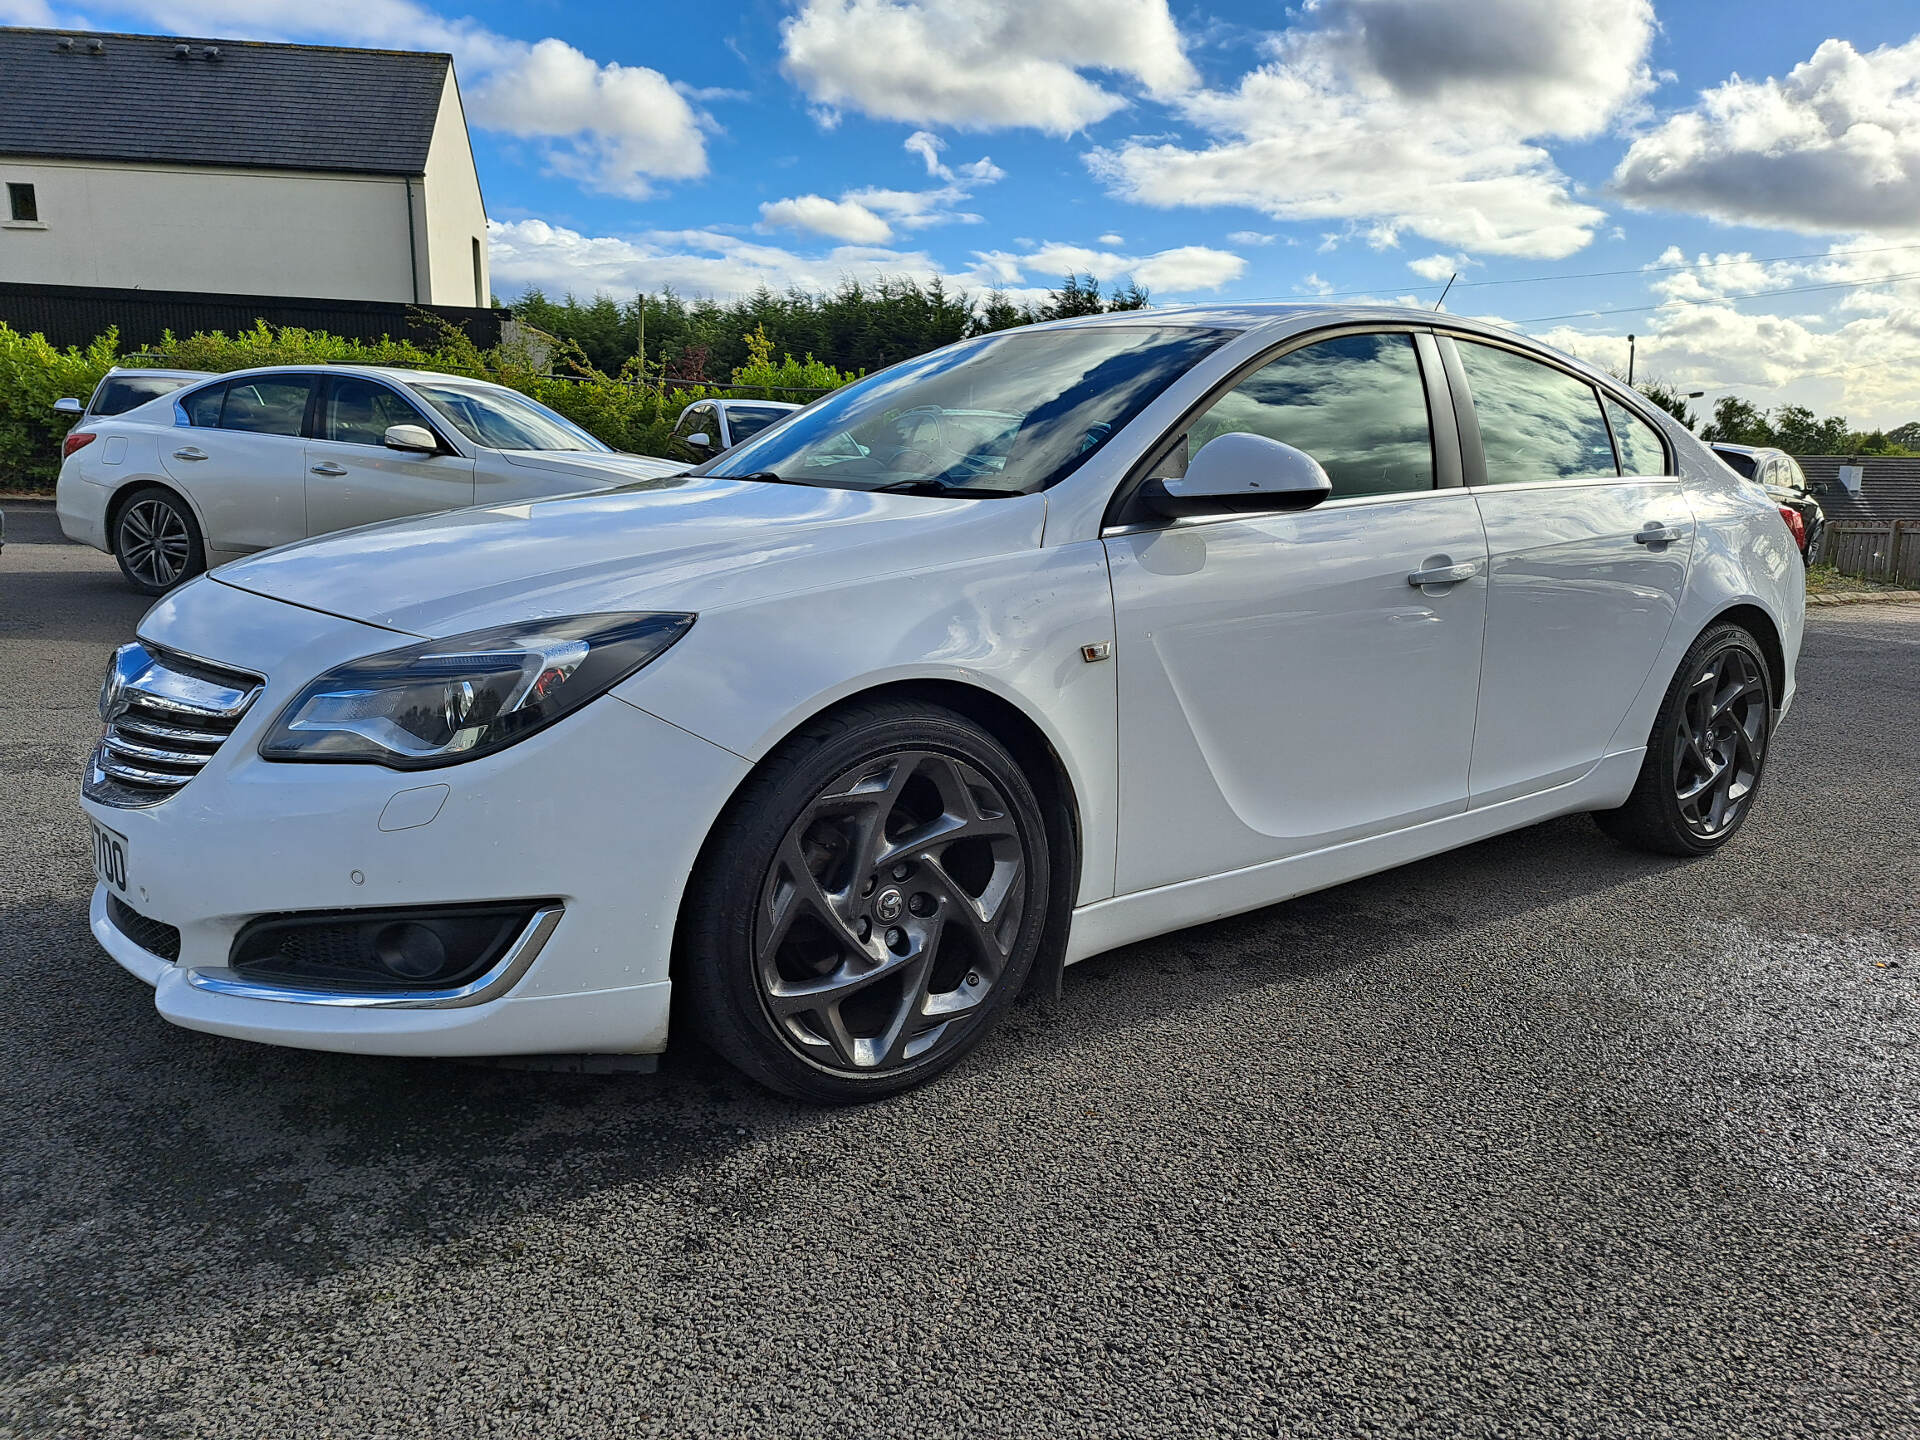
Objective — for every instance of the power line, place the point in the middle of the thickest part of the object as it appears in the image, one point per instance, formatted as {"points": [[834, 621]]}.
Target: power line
{"points": [[1722, 299]]}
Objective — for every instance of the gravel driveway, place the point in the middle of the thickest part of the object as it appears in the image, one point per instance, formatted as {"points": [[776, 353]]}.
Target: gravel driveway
{"points": [[1541, 1138]]}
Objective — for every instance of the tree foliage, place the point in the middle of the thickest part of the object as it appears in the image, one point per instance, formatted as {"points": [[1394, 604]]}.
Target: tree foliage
{"points": [[1798, 431]]}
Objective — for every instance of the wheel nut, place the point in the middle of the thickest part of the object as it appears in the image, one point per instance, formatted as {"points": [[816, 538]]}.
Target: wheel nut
{"points": [[902, 870], [867, 889], [866, 929], [897, 939], [921, 904], [973, 977]]}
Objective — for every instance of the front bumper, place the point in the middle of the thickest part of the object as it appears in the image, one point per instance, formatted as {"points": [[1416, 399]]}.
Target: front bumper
{"points": [[604, 813]]}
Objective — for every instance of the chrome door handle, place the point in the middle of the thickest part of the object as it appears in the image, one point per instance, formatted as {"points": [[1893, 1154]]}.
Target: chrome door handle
{"points": [[327, 467], [1658, 534], [1444, 574], [189, 452]]}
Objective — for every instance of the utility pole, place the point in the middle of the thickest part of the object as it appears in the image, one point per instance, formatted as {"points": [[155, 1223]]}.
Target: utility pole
{"points": [[643, 338]]}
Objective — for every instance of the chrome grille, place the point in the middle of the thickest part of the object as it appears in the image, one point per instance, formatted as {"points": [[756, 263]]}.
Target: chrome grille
{"points": [[165, 717]]}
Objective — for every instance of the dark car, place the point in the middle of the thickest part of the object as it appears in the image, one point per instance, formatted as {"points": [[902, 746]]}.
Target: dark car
{"points": [[1780, 475]]}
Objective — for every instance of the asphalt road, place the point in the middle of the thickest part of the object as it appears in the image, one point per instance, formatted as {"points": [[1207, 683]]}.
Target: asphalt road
{"points": [[1541, 1138]]}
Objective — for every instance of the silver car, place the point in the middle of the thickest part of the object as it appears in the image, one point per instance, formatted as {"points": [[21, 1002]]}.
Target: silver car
{"points": [[259, 458]]}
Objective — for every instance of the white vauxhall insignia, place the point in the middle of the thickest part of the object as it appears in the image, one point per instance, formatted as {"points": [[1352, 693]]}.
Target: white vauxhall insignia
{"points": [[1019, 651]]}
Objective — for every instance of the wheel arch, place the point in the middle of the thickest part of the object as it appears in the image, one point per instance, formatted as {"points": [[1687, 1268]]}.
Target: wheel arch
{"points": [[118, 500], [1757, 622], [1030, 747]]}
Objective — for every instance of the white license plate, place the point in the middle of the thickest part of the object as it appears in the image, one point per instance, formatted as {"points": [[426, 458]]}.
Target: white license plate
{"points": [[110, 858]]}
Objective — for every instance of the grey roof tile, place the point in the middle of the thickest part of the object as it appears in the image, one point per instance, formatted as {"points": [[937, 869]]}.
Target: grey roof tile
{"points": [[283, 107]]}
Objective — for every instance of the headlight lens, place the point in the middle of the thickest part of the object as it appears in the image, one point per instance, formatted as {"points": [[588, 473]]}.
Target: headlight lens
{"points": [[445, 701]]}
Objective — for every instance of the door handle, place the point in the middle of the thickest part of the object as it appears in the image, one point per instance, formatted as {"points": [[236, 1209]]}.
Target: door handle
{"points": [[189, 452], [327, 467], [1444, 574], [1658, 534]]}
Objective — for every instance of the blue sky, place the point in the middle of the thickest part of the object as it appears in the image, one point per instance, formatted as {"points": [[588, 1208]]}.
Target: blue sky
{"points": [[1227, 150]]}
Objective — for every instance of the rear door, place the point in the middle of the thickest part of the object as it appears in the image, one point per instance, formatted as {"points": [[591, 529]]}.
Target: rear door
{"points": [[1588, 538], [354, 479], [241, 459]]}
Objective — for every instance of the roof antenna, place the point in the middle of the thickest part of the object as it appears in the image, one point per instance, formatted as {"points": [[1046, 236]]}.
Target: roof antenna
{"points": [[1443, 294]]}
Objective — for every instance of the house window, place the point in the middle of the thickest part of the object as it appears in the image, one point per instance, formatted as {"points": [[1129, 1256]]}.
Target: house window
{"points": [[21, 204], [479, 290]]}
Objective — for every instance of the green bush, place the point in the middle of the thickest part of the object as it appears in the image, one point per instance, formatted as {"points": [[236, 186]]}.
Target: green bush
{"points": [[617, 409]]}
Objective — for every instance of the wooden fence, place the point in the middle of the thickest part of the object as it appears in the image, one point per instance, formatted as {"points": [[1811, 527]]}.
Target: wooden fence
{"points": [[1888, 551]]}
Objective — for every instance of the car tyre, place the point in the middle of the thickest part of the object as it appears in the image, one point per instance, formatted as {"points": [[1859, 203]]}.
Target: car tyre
{"points": [[157, 541], [870, 903], [1707, 751]]}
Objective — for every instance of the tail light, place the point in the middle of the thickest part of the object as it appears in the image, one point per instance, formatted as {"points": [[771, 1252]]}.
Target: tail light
{"points": [[76, 439], [1795, 524]]}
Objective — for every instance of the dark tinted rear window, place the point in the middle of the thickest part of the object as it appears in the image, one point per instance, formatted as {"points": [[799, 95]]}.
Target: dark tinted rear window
{"points": [[120, 393], [1741, 463]]}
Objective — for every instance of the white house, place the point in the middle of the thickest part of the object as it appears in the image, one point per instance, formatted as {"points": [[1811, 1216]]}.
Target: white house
{"points": [[231, 167]]}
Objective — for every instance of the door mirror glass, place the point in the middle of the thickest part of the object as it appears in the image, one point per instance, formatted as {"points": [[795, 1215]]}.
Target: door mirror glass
{"points": [[411, 437], [1241, 473], [68, 406]]}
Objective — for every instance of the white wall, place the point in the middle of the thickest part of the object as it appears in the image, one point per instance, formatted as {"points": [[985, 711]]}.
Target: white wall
{"points": [[456, 216], [248, 232]]}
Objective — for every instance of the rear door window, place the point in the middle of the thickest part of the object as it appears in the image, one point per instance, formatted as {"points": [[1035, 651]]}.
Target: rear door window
{"points": [[1356, 404], [203, 406], [267, 404], [1536, 423], [1639, 444]]}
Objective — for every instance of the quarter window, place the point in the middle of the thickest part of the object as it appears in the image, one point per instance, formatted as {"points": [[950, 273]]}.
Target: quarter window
{"points": [[1356, 404], [1536, 423], [1641, 452], [358, 412], [269, 405]]}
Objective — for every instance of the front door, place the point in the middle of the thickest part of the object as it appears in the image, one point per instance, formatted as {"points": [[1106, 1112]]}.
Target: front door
{"points": [[1283, 687], [1588, 535], [354, 479]]}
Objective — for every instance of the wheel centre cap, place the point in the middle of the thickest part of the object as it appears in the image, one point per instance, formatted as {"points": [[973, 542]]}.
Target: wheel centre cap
{"points": [[888, 904]]}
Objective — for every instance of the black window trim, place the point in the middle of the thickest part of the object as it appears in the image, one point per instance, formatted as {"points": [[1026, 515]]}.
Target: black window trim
{"points": [[1474, 457], [1122, 513]]}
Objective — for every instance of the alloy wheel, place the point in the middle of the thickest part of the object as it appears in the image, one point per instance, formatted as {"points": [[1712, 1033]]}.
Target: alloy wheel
{"points": [[890, 912], [154, 542], [1720, 742]]}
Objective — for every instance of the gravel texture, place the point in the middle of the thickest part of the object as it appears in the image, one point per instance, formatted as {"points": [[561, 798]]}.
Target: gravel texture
{"points": [[1541, 1138]]}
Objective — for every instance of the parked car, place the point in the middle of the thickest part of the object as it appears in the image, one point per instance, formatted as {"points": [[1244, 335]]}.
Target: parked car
{"points": [[259, 458], [1780, 475], [122, 388], [708, 427], [838, 744]]}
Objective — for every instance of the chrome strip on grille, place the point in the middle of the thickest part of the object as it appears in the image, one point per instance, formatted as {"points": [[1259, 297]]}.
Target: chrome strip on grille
{"points": [[151, 696]]}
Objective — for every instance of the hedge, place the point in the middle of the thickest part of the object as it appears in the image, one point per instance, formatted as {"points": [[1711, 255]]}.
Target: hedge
{"points": [[618, 410]]}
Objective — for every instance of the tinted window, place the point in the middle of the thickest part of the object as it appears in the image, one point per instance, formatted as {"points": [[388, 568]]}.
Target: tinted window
{"points": [[269, 405], [746, 420], [1536, 423], [1641, 452], [1355, 404], [120, 393], [1741, 463], [203, 406], [358, 412]]}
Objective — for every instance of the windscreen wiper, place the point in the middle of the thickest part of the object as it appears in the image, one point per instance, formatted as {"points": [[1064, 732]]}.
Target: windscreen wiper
{"points": [[935, 487]]}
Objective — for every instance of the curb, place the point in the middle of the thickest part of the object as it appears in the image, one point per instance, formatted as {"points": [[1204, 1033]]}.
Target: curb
{"points": [[13, 499], [1889, 597]]}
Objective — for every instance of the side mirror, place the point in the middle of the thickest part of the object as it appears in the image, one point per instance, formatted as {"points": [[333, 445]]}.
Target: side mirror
{"points": [[1240, 473], [68, 406], [411, 437], [699, 440]]}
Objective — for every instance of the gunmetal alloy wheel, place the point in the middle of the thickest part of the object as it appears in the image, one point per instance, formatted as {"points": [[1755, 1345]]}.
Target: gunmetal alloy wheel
{"points": [[157, 542], [891, 911], [1706, 753], [1720, 741], [871, 901]]}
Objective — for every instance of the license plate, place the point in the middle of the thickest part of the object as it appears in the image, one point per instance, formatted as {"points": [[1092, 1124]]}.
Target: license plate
{"points": [[110, 858]]}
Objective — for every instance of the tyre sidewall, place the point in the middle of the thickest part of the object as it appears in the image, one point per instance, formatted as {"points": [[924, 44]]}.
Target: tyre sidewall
{"points": [[1666, 732], [719, 965], [196, 546]]}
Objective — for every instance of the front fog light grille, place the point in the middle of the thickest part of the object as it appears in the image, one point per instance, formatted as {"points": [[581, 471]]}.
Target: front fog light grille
{"points": [[165, 718], [153, 936], [380, 950]]}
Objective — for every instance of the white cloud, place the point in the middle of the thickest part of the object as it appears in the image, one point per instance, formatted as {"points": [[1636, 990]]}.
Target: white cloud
{"points": [[1110, 239], [1437, 268], [613, 128], [1180, 270], [982, 64], [1832, 148], [1251, 237], [841, 219], [1412, 115]]}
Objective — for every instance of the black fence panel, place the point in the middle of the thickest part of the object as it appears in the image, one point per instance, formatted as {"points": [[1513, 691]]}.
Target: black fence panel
{"points": [[75, 314]]}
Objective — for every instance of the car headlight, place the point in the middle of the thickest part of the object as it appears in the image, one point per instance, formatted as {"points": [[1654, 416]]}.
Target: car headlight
{"points": [[444, 701]]}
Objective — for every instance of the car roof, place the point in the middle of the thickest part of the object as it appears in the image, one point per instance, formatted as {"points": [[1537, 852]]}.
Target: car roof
{"points": [[1755, 450], [376, 372], [763, 404], [162, 374]]}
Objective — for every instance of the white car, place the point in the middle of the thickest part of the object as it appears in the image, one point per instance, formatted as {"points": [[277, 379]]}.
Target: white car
{"points": [[840, 745], [259, 458], [707, 427]]}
